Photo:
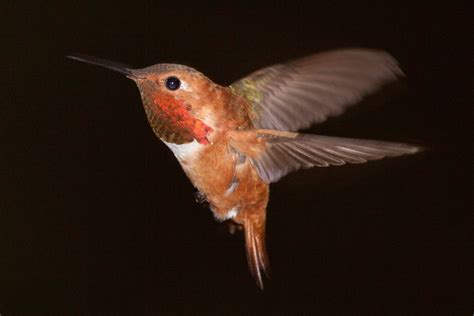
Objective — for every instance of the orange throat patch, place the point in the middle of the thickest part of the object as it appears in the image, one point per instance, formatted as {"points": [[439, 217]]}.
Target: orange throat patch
{"points": [[172, 122]]}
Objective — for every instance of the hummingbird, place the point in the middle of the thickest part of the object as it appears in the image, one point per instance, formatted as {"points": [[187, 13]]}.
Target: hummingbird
{"points": [[234, 141]]}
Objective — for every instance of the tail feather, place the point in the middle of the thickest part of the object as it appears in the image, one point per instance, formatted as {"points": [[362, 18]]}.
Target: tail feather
{"points": [[257, 257]]}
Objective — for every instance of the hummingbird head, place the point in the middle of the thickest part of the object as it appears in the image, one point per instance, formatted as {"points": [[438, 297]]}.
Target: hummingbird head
{"points": [[176, 99]]}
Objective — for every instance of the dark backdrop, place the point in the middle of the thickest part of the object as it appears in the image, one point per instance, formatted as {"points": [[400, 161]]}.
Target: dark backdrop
{"points": [[96, 214]]}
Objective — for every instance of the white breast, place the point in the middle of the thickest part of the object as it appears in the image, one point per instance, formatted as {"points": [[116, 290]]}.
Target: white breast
{"points": [[185, 151]]}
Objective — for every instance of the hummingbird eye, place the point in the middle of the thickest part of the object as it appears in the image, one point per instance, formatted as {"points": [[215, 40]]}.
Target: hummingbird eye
{"points": [[172, 83]]}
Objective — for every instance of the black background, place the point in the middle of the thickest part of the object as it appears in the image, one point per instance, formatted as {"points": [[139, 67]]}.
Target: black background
{"points": [[96, 213]]}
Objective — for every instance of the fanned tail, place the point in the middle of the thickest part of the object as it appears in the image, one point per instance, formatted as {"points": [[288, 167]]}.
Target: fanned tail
{"points": [[257, 257]]}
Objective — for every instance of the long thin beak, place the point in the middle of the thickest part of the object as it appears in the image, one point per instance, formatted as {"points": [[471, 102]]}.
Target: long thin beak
{"points": [[118, 67]]}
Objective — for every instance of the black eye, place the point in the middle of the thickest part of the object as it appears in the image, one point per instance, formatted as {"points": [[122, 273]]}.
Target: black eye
{"points": [[173, 83]]}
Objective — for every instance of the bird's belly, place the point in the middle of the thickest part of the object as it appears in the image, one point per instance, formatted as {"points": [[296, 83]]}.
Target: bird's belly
{"points": [[230, 186]]}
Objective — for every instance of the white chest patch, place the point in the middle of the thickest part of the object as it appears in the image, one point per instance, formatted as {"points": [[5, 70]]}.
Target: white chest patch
{"points": [[185, 151]]}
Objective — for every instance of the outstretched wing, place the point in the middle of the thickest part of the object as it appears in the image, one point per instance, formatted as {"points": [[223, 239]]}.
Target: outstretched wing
{"points": [[292, 96], [294, 151]]}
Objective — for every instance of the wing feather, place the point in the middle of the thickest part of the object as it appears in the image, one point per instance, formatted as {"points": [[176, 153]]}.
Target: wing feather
{"points": [[292, 96], [287, 154]]}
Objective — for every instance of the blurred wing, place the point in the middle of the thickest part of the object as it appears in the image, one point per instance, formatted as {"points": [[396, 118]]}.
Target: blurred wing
{"points": [[286, 154], [292, 96]]}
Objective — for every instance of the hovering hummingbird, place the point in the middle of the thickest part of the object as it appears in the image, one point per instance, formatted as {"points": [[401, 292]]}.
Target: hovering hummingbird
{"points": [[233, 141]]}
